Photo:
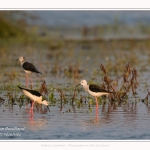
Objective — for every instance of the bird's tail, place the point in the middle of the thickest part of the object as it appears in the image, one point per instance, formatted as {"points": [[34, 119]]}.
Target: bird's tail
{"points": [[38, 72], [21, 88]]}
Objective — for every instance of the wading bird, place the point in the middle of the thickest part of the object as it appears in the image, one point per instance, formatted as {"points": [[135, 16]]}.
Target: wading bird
{"points": [[94, 90], [34, 96], [28, 68]]}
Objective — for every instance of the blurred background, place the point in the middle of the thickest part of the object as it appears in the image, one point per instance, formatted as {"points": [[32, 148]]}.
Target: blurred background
{"points": [[92, 23]]}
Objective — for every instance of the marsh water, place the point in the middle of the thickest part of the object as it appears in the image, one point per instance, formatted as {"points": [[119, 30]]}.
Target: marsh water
{"points": [[63, 67], [119, 124]]}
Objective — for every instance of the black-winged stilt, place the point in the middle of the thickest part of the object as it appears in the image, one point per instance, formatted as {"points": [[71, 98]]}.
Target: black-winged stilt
{"points": [[28, 68], [34, 96], [94, 90]]}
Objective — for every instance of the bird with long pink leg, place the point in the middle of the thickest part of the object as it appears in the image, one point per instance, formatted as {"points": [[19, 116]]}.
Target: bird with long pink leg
{"points": [[34, 96], [95, 91], [29, 68]]}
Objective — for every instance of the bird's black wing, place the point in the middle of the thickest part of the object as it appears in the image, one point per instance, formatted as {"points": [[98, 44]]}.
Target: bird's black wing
{"points": [[33, 92], [30, 67], [96, 88]]}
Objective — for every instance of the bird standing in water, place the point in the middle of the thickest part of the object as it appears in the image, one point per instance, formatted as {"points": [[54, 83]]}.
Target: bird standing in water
{"points": [[34, 96], [28, 68], [95, 91]]}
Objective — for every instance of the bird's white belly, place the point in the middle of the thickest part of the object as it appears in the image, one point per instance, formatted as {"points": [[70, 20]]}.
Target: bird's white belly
{"points": [[33, 97], [97, 94], [28, 72]]}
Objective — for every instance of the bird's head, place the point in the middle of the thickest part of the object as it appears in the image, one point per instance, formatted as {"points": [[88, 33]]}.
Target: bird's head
{"points": [[83, 83], [44, 102], [21, 59]]}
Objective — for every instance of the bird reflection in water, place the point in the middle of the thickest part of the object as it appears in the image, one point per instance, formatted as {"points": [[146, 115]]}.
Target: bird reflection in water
{"points": [[37, 123]]}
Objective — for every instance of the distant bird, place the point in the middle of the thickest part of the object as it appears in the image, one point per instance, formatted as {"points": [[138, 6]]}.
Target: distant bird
{"points": [[94, 90], [28, 68], [34, 96]]}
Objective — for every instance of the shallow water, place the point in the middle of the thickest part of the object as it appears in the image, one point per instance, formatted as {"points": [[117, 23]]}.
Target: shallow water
{"points": [[119, 123]]}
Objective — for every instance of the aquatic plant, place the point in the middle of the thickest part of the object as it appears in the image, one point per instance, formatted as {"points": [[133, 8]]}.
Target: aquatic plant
{"points": [[121, 86], [146, 100], [43, 89], [1, 101]]}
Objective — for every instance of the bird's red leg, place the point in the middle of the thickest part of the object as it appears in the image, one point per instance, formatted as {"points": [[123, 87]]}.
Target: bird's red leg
{"points": [[31, 81], [31, 118], [31, 109], [26, 80], [96, 107]]}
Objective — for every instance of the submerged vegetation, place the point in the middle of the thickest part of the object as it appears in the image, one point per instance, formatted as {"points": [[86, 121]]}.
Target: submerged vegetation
{"points": [[123, 88]]}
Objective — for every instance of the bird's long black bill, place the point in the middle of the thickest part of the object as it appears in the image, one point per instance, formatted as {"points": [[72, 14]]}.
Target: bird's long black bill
{"points": [[48, 108], [77, 85], [15, 60]]}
